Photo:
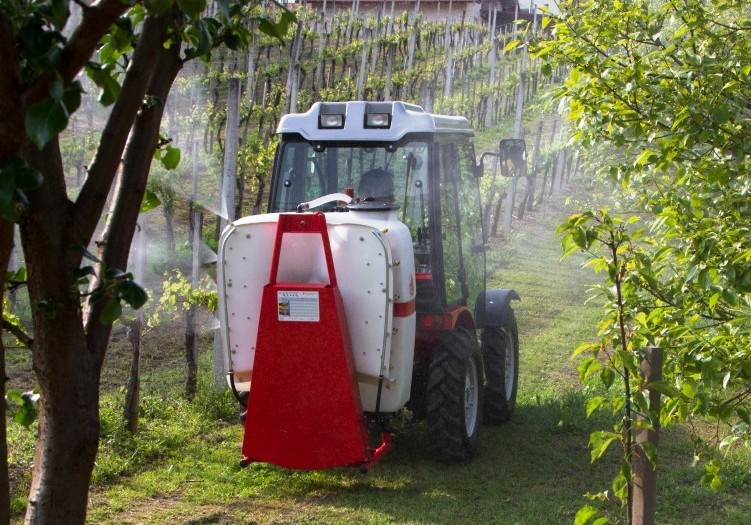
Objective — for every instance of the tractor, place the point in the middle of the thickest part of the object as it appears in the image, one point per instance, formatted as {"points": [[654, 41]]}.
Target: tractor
{"points": [[358, 304]]}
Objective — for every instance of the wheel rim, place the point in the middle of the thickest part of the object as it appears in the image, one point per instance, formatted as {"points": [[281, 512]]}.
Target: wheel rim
{"points": [[509, 366], [471, 397]]}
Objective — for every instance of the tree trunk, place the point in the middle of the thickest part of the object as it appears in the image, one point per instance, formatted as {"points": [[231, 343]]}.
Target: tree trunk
{"points": [[11, 139], [67, 374], [6, 247]]}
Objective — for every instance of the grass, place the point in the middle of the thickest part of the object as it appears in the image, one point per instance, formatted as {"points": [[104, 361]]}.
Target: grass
{"points": [[182, 466]]}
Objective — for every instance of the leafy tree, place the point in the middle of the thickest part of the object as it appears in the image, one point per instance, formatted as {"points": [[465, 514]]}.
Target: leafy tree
{"points": [[659, 93], [132, 51]]}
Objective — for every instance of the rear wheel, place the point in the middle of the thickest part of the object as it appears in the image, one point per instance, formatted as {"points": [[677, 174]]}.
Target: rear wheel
{"points": [[500, 352], [455, 396]]}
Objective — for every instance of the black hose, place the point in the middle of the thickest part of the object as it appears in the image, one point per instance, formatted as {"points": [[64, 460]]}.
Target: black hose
{"points": [[378, 395], [243, 402]]}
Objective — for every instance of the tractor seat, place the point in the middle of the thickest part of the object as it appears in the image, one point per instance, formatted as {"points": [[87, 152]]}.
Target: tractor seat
{"points": [[376, 185]]}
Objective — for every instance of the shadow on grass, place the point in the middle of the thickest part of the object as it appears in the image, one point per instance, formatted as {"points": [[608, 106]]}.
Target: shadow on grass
{"points": [[535, 468]]}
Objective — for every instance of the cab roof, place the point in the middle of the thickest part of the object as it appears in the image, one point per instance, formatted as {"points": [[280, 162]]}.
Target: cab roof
{"points": [[393, 120]]}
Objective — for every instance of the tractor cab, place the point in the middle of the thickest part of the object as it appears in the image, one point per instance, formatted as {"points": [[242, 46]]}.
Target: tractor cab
{"points": [[393, 157], [359, 302]]}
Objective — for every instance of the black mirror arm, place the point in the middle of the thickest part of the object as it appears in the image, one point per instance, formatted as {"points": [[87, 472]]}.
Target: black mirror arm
{"points": [[481, 165]]}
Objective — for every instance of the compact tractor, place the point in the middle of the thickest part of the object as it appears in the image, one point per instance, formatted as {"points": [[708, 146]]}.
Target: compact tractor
{"points": [[359, 302]]}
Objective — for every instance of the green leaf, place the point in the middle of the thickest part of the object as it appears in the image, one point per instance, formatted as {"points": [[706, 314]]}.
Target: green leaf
{"points": [[689, 388], [199, 37], [588, 367], [170, 157], [111, 312], [133, 294], [594, 403], [271, 29], [716, 483], [59, 12], [644, 157], [583, 348], [620, 482], [599, 442], [192, 8], [157, 7], [84, 271], [102, 77], [607, 376], [743, 415], [720, 115], [149, 202], [511, 45], [585, 514], [44, 120]]}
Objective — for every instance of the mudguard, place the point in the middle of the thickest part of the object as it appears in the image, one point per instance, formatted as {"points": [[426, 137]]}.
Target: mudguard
{"points": [[492, 305]]}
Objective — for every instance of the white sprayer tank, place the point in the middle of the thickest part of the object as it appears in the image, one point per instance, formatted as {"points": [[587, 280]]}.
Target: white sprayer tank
{"points": [[374, 265]]}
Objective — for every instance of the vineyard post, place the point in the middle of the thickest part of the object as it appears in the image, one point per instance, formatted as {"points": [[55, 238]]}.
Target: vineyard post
{"points": [[391, 19], [413, 37], [375, 46], [449, 54], [361, 75], [231, 147], [645, 473], [191, 329], [508, 207], [389, 67], [493, 58], [321, 30], [535, 162], [250, 81], [130, 411], [292, 72], [570, 165], [559, 169]]}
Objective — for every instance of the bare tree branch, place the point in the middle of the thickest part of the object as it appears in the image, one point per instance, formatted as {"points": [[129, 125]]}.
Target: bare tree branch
{"points": [[17, 333], [139, 152], [93, 195]]}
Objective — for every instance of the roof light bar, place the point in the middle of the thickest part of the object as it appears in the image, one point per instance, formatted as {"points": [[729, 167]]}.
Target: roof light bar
{"points": [[377, 120], [331, 121], [332, 115]]}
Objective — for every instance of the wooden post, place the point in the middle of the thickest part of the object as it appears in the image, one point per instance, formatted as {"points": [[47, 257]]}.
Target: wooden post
{"points": [[389, 67], [645, 474], [321, 31], [450, 54], [511, 190], [132, 394], [362, 74], [535, 164], [558, 174], [231, 148], [493, 58]]}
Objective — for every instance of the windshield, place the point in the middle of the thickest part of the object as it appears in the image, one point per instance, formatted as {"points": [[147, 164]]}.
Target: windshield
{"points": [[374, 172]]}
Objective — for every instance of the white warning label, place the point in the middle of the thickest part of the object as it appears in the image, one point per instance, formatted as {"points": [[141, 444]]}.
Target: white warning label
{"points": [[298, 306]]}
